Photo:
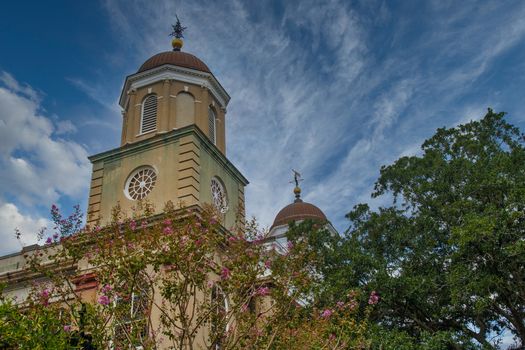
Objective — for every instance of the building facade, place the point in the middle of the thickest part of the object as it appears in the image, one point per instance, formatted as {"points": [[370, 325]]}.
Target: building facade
{"points": [[173, 148]]}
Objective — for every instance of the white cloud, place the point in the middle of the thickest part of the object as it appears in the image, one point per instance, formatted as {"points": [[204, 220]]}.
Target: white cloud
{"points": [[28, 226], [65, 127], [37, 166], [23, 89]]}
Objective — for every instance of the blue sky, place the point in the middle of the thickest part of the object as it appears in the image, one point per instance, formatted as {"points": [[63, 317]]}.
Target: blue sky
{"points": [[334, 89]]}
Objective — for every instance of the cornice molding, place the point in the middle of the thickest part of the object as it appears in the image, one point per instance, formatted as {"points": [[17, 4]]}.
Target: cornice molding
{"points": [[172, 72], [168, 138]]}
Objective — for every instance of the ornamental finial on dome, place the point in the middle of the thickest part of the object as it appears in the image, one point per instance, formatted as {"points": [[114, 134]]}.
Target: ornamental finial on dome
{"points": [[297, 190], [177, 35]]}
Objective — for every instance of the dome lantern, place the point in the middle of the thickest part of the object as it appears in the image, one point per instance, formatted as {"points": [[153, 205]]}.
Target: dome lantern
{"points": [[172, 90]]}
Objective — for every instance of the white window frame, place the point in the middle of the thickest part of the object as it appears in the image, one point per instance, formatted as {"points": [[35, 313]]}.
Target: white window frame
{"points": [[131, 321]]}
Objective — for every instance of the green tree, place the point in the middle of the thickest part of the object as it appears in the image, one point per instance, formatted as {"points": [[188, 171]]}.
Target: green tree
{"points": [[448, 255]]}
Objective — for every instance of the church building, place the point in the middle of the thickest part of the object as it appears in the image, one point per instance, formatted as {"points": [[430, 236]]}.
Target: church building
{"points": [[173, 148]]}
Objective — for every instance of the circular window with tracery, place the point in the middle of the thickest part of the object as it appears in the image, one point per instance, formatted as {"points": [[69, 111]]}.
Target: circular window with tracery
{"points": [[140, 183], [218, 195]]}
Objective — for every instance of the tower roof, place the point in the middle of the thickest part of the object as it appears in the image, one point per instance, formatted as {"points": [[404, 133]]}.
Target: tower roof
{"points": [[176, 58], [298, 211]]}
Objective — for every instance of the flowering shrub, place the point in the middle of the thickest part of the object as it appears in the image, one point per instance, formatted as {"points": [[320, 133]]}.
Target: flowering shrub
{"points": [[183, 281]]}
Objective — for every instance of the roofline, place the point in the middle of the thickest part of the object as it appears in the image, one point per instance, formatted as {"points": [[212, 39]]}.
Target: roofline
{"points": [[328, 225], [24, 249], [171, 71], [169, 137]]}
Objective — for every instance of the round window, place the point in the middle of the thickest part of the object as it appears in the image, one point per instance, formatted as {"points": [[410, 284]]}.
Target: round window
{"points": [[218, 195], [140, 183]]}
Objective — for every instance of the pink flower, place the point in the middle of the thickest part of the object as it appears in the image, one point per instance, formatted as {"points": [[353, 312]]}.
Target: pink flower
{"points": [[267, 264], [44, 297], [225, 273], [210, 284], [103, 300], [262, 291], [232, 238], [49, 240], [374, 298], [340, 304], [133, 225], [167, 230], [67, 328], [327, 313], [106, 289], [167, 222], [45, 293]]}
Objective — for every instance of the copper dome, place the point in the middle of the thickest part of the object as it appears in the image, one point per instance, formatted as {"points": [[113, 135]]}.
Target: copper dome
{"points": [[176, 58], [298, 210]]}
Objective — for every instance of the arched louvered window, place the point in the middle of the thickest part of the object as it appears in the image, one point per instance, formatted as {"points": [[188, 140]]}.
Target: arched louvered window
{"points": [[211, 125], [148, 121]]}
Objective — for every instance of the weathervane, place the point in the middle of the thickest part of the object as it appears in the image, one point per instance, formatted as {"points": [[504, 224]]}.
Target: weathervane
{"points": [[297, 190], [177, 35], [296, 178]]}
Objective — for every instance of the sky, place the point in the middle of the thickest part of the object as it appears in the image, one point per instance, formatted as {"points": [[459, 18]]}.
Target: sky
{"points": [[334, 89]]}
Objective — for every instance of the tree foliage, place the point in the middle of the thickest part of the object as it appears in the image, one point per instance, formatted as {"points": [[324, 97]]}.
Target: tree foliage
{"points": [[448, 255]]}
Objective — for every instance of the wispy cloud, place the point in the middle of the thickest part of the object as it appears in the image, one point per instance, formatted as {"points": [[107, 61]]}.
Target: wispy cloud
{"points": [[97, 94], [311, 90], [23, 89], [332, 88]]}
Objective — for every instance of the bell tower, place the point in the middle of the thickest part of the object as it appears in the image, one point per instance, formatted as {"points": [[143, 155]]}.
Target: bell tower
{"points": [[173, 145]]}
